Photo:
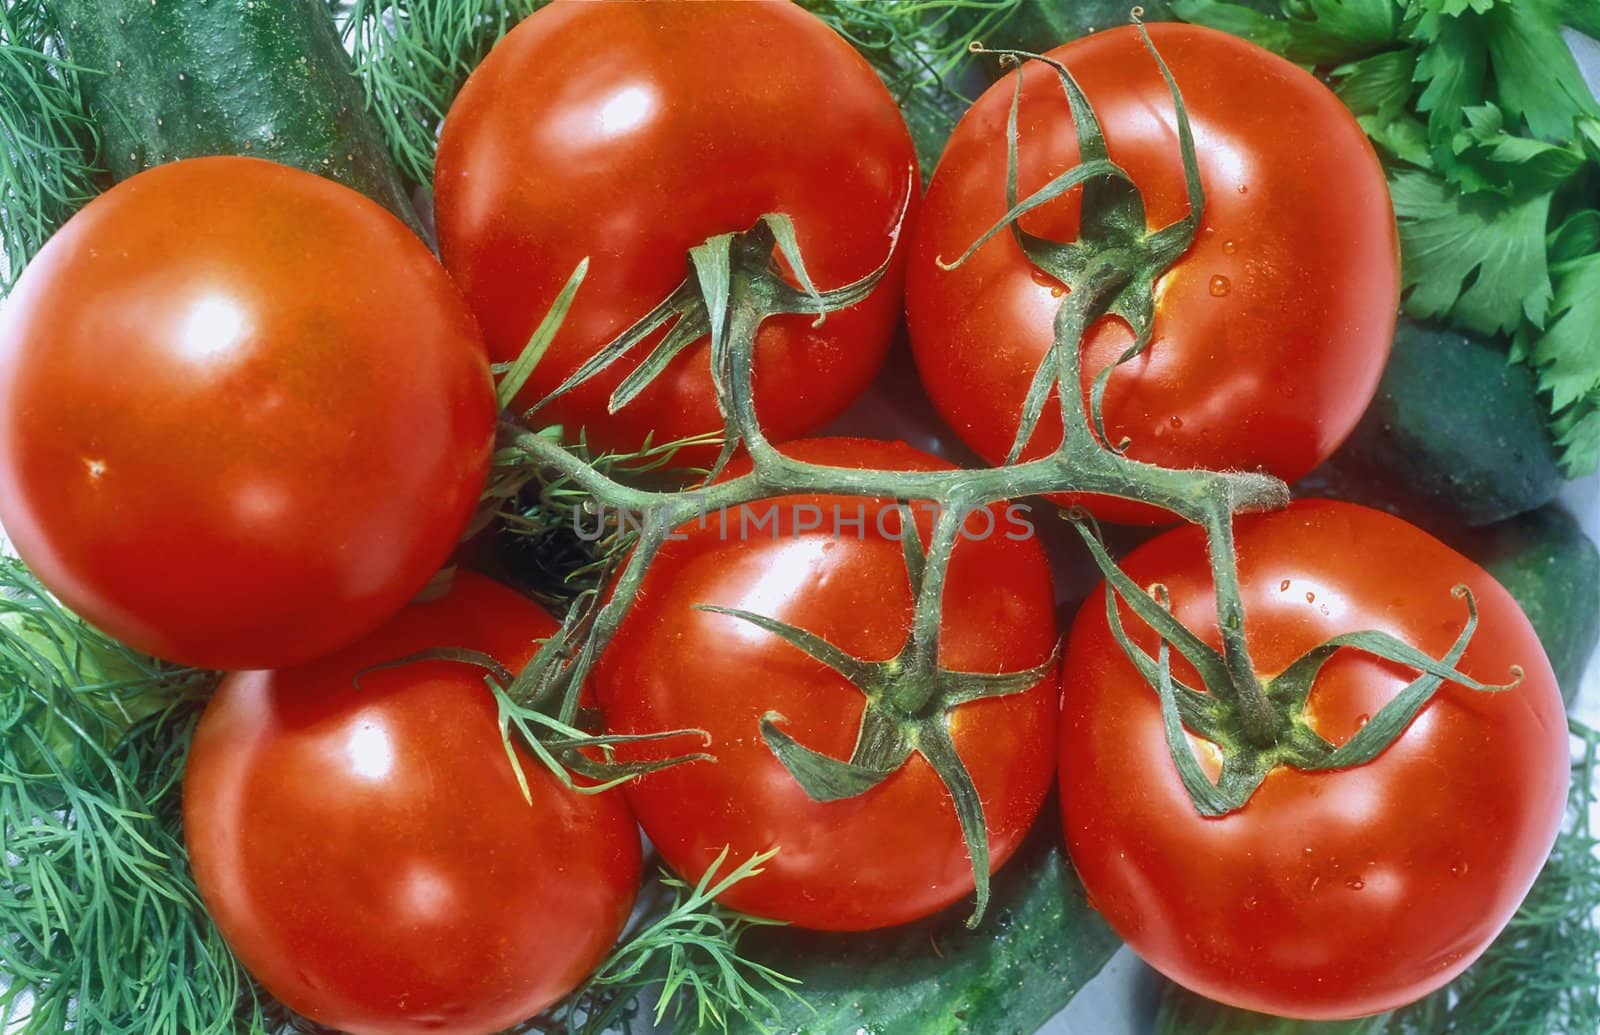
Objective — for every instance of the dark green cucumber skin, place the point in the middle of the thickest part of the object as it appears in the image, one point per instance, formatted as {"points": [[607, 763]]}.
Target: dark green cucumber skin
{"points": [[1553, 570], [1041, 25], [266, 78], [1184, 1013], [1037, 946], [1455, 436]]}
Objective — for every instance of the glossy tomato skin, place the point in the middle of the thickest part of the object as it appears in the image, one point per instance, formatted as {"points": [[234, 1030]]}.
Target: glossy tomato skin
{"points": [[1328, 895], [892, 854], [629, 133], [366, 850], [243, 413], [1270, 332]]}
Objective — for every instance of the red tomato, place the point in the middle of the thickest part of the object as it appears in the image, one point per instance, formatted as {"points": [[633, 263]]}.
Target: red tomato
{"points": [[631, 132], [1336, 894], [1270, 333], [366, 850], [243, 414], [894, 853]]}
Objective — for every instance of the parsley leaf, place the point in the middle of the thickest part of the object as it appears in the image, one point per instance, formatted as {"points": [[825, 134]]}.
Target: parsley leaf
{"points": [[1577, 433], [1536, 76], [1567, 354], [1494, 159], [1476, 258]]}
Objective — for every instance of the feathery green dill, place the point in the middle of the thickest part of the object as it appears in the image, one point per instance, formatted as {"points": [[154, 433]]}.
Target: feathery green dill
{"points": [[103, 930], [47, 143], [412, 57], [684, 950], [917, 48]]}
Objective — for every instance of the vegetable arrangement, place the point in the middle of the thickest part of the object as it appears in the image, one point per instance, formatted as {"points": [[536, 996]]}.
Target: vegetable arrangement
{"points": [[245, 417]]}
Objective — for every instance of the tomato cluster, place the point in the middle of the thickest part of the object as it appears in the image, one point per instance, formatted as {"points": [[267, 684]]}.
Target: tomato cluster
{"points": [[245, 416]]}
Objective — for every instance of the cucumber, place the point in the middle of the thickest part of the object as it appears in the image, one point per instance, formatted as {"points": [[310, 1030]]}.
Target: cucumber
{"points": [[1455, 436], [182, 78], [1553, 570], [1184, 1013], [1037, 946], [1041, 25]]}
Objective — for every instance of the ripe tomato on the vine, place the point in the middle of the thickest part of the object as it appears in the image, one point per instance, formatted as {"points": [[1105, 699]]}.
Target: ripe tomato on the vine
{"points": [[1329, 894], [895, 852], [244, 414], [629, 133], [366, 850], [1270, 332]]}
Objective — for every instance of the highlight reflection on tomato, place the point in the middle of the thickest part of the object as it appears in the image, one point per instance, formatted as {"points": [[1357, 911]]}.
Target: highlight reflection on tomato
{"points": [[1333, 894], [366, 851]]}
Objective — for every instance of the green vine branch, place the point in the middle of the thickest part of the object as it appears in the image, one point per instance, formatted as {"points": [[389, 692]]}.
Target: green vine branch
{"points": [[734, 282]]}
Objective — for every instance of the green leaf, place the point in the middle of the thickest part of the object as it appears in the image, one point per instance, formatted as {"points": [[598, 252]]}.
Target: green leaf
{"points": [[1479, 259], [1379, 85], [1509, 54], [1583, 15], [1567, 354], [1535, 75], [516, 375], [1589, 137], [1494, 159], [1577, 432], [1454, 66], [1404, 137]]}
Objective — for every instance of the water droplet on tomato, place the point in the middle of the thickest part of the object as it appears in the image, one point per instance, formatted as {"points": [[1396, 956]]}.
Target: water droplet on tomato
{"points": [[1244, 189], [1228, 247], [1057, 291], [1219, 286], [1355, 883], [1311, 598], [1250, 903], [1043, 279], [1459, 869], [1176, 422], [1283, 587], [1362, 720]]}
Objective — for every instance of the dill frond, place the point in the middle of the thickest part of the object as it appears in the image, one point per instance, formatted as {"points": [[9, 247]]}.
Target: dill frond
{"points": [[686, 950], [103, 929], [412, 57], [917, 47], [47, 142]]}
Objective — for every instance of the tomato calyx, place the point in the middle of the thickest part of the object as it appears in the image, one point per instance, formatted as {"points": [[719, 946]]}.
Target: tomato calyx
{"points": [[909, 698], [1117, 258], [527, 708], [734, 283], [1215, 714]]}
